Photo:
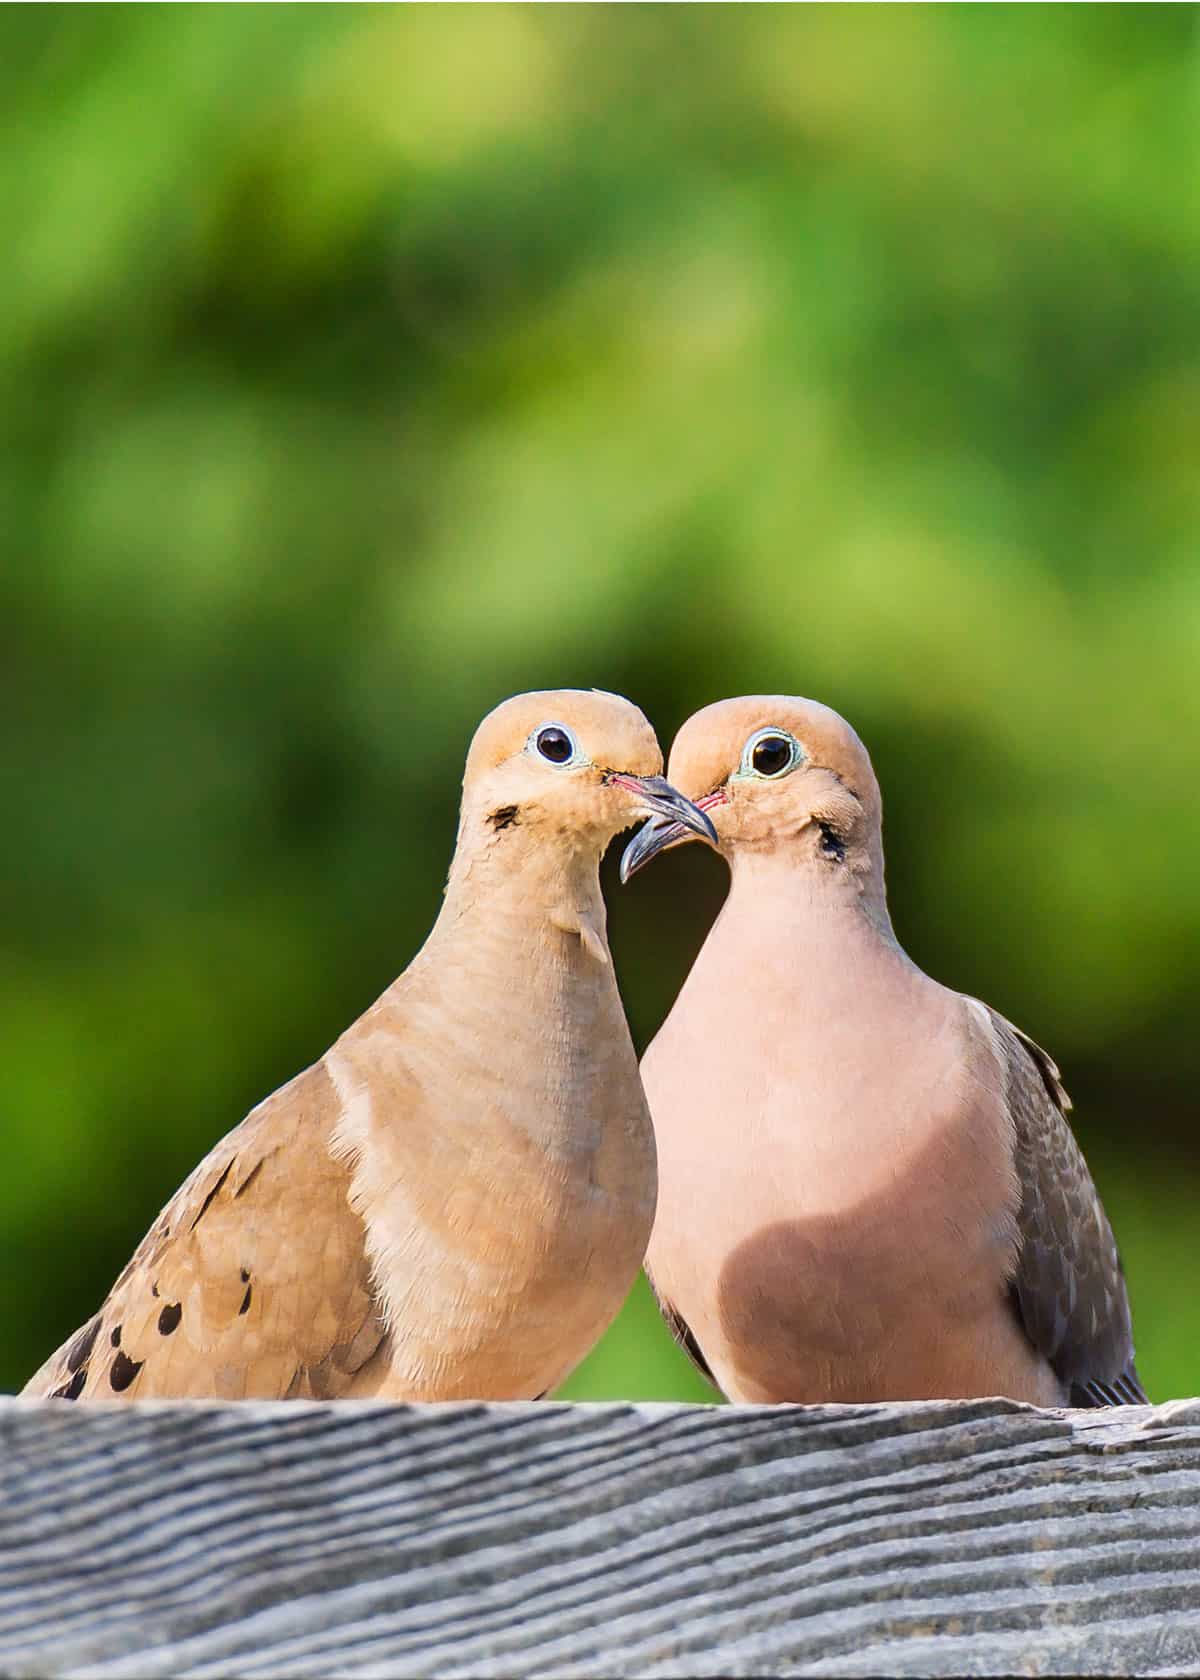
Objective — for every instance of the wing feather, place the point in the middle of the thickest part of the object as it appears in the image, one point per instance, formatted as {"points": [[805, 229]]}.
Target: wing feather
{"points": [[1069, 1285], [682, 1334], [252, 1283]]}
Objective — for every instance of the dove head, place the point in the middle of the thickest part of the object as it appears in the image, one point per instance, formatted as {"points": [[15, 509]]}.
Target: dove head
{"points": [[779, 776], [572, 766]]}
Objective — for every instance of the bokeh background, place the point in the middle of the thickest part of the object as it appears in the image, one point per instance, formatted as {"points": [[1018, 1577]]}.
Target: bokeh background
{"points": [[362, 366]]}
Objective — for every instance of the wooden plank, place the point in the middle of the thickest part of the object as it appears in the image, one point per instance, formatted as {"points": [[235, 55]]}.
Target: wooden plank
{"points": [[557, 1540]]}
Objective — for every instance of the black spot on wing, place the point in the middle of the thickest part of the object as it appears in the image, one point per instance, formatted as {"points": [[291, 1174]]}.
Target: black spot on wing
{"points": [[245, 1306], [122, 1372], [83, 1344], [115, 1338], [168, 1318], [505, 816]]}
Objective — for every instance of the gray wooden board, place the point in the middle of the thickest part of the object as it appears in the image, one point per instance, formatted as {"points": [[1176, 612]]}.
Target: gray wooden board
{"points": [[293, 1539]]}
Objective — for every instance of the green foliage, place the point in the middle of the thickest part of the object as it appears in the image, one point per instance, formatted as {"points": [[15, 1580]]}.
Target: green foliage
{"points": [[364, 365]]}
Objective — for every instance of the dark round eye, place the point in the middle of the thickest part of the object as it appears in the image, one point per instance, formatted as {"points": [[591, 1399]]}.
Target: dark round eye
{"points": [[771, 755], [555, 744]]}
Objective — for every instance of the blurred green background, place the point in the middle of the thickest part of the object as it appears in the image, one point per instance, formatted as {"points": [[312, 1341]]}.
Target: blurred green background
{"points": [[364, 365]]}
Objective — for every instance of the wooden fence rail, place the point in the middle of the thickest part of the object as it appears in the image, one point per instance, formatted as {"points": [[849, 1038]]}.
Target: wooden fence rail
{"points": [[557, 1540]]}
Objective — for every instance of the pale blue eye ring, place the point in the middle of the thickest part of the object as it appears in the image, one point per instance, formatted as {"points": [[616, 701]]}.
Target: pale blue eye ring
{"points": [[770, 754], [554, 743]]}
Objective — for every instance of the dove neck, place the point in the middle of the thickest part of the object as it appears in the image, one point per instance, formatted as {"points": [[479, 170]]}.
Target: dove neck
{"points": [[522, 880], [812, 892]]}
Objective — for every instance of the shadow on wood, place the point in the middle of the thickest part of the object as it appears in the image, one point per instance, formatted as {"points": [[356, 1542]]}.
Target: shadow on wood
{"points": [[167, 1539]]}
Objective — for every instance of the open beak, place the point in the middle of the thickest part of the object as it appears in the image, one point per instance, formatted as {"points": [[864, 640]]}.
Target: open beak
{"points": [[668, 828], [667, 809]]}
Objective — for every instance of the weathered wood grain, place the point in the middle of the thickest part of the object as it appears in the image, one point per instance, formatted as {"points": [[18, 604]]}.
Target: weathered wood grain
{"points": [[553, 1540]]}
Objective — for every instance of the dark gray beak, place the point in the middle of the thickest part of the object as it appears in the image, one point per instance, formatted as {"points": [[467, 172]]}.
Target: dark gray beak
{"points": [[668, 810], [673, 818]]}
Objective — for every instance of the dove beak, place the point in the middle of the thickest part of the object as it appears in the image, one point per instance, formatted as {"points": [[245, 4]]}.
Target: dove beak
{"points": [[665, 806], [666, 829]]}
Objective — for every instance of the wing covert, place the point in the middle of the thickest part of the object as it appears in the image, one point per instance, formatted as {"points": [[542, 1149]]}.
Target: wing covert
{"points": [[252, 1283], [1069, 1285]]}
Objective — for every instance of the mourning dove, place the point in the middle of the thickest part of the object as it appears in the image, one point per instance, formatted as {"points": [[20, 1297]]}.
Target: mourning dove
{"points": [[868, 1188], [454, 1201]]}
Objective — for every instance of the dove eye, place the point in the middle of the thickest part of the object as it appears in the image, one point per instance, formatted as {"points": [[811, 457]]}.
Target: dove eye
{"points": [[771, 753], [555, 743]]}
